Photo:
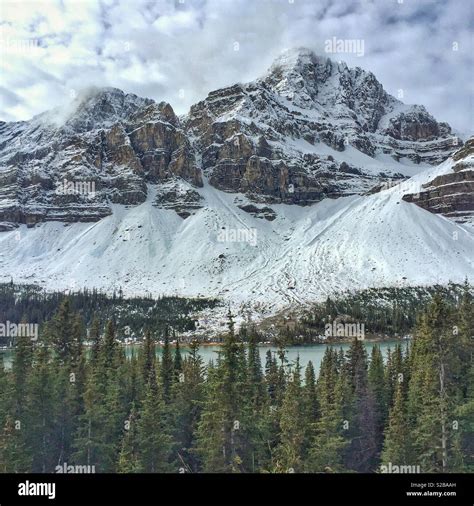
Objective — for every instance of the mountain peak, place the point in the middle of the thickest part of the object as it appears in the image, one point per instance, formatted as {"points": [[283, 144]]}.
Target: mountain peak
{"points": [[296, 59], [95, 106], [296, 75], [108, 99], [293, 56]]}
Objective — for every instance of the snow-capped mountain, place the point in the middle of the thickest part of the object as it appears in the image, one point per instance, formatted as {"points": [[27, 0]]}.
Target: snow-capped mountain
{"points": [[308, 129], [303, 254], [267, 194], [312, 128], [106, 147]]}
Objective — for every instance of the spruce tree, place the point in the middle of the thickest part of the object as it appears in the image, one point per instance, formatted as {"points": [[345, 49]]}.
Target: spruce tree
{"points": [[97, 437], [148, 358], [94, 336], [129, 459], [66, 331], [188, 398], [166, 368], [377, 388], [154, 442], [177, 361], [363, 431], [15, 456], [463, 440], [21, 369], [224, 431], [290, 453], [6, 393], [432, 392], [40, 412], [309, 394], [327, 447], [397, 448]]}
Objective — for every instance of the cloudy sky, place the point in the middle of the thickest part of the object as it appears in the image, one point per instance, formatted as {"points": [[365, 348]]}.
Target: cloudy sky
{"points": [[179, 50]]}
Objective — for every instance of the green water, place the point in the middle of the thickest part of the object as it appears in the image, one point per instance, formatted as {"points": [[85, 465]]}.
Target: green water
{"points": [[312, 352]]}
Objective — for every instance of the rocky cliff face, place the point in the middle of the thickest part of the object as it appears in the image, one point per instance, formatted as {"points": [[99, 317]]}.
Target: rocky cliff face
{"points": [[452, 193], [299, 133], [104, 151], [308, 129]]}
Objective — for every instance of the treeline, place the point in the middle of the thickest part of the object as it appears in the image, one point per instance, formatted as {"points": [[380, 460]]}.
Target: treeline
{"points": [[383, 311], [61, 406], [32, 304]]}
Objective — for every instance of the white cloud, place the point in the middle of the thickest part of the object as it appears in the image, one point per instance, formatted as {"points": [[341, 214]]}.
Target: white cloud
{"points": [[157, 48]]}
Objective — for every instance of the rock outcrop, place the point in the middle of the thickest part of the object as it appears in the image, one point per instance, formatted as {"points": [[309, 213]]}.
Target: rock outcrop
{"points": [[452, 193], [104, 151], [309, 129], [291, 136]]}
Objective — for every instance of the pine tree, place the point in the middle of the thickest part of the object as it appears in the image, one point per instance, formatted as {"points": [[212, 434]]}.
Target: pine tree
{"points": [[310, 404], [290, 453], [464, 337], [309, 394], [90, 447], [6, 393], [148, 358], [255, 383], [377, 381], [364, 434], [464, 434], [40, 412], [115, 418], [224, 433], [94, 336], [97, 436], [210, 437], [432, 392], [154, 442], [397, 448], [21, 369], [271, 378], [66, 331], [327, 448], [109, 352], [187, 406], [177, 362], [166, 368], [129, 459], [15, 456], [376, 384]]}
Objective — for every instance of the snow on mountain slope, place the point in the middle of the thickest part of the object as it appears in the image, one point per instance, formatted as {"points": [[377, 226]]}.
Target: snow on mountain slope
{"points": [[259, 196], [301, 256], [308, 129]]}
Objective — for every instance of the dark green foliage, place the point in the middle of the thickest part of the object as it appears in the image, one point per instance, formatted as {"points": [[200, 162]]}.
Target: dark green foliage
{"points": [[63, 403], [34, 305], [384, 311], [397, 445], [290, 453], [167, 372]]}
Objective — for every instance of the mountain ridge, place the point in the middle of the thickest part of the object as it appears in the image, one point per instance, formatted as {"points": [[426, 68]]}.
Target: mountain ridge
{"points": [[267, 195], [306, 130]]}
